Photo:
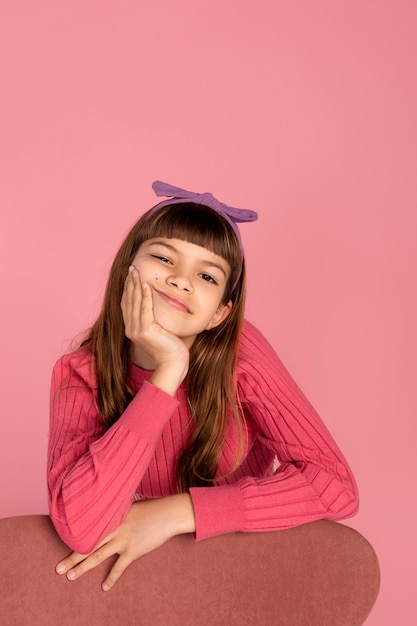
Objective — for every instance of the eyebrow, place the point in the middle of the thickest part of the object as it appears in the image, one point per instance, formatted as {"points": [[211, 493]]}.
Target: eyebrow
{"points": [[204, 261]]}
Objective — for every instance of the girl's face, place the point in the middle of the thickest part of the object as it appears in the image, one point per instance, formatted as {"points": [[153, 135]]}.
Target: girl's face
{"points": [[188, 284]]}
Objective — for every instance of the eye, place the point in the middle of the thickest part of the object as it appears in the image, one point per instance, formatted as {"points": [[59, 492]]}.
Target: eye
{"points": [[161, 258], [208, 278]]}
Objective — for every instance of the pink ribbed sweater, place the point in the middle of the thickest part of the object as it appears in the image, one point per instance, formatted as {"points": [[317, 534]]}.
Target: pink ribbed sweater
{"points": [[94, 474]]}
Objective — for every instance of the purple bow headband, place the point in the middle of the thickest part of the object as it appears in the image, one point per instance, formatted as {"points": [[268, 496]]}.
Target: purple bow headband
{"points": [[232, 215], [177, 195]]}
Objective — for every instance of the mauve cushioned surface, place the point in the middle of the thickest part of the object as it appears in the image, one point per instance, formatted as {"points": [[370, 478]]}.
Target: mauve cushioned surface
{"points": [[319, 574]]}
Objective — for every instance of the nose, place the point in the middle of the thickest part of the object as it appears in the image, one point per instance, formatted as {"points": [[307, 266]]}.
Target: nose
{"points": [[181, 280]]}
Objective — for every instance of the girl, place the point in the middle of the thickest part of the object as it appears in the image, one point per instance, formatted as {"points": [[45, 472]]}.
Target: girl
{"points": [[175, 415]]}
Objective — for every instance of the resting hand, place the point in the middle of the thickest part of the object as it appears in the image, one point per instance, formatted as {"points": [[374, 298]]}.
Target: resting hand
{"points": [[167, 353], [148, 525]]}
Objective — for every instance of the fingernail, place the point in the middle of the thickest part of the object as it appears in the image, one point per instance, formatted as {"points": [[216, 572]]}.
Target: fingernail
{"points": [[105, 587], [71, 575], [131, 269], [60, 568]]}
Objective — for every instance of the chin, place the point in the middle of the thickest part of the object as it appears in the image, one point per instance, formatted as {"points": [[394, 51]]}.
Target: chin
{"points": [[165, 319], [167, 322]]}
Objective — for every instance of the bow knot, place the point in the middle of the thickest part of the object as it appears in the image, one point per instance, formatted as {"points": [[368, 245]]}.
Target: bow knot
{"points": [[177, 194]]}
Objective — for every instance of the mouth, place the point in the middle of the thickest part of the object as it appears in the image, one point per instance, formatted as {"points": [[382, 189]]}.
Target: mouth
{"points": [[173, 302]]}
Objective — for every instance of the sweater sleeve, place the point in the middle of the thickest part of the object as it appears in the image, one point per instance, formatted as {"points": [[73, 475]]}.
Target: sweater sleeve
{"points": [[93, 472], [313, 480]]}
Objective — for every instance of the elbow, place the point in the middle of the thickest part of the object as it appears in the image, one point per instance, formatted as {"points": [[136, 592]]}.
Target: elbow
{"points": [[353, 492], [337, 492], [73, 537], [347, 503], [74, 542], [354, 505], [350, 509]]}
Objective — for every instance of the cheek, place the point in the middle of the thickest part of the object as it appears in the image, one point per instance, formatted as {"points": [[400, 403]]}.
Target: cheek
{"points": [[145, 269], [211, 306]]}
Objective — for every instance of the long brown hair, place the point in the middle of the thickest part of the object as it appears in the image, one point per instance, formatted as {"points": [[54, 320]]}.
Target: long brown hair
{"points": [[210, 381]]}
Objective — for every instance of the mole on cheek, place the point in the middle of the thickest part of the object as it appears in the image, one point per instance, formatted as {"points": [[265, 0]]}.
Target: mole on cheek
{"points": [[156, 276]]}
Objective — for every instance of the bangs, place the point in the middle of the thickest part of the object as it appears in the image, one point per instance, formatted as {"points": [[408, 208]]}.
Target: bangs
{"points": [[197, 224]]}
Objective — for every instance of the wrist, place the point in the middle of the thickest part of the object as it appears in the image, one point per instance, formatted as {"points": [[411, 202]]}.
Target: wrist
{"points": [[182, 510], [169, 375]]}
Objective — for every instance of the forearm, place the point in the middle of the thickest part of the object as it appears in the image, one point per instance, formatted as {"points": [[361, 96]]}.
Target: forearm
{"points": [[88, 495]]}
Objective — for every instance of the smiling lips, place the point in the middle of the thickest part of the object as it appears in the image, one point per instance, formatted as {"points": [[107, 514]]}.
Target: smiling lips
{"points": [[176, 304]]}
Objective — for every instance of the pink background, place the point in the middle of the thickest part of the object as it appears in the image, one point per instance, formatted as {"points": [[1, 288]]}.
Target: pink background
{"points": [[304, 111]]}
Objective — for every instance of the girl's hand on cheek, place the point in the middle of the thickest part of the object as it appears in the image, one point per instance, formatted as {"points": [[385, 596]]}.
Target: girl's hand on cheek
{"points": [[167, 351], [148, 525]]}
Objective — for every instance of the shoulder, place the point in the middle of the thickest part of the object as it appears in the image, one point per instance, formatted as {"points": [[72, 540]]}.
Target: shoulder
{"points": [[254, 346], [258, 364], [77, 366]]}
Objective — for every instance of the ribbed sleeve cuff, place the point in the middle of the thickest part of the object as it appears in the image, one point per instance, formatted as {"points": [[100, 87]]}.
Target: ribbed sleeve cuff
{"points": [[149, 411], [218, 510]]}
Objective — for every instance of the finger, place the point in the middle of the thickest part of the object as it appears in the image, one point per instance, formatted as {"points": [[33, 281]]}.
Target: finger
{"points": [[91, 561], [70, 561], [136, 300], [116, 571], [130, 303], [146, 308], [127, 289]]}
